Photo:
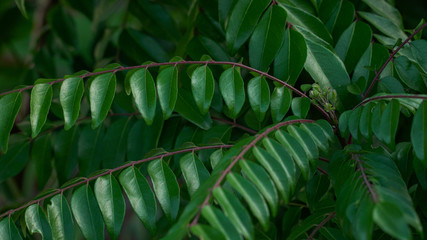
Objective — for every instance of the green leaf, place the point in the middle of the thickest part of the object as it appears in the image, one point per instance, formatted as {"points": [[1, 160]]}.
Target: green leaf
{"points": [[389, 123], [328, 71], [384, 25], [253, 197], [317, 134], [296, 150], [267, 37], [140, 196], [365, 121], [166, 187], [36, 221], [21, 6], [263, 182], [390, 218], [206, 232], [242, 22], [306, 142], [186, 107], [91, 148], [419, 50], [41, 154], [301, 18], [219, 221], [376, 118], [312, 220], [60, 218], [353, 43], [291, 57], [86, 212], [282, 169], [280, 102], [64, 145], [419, 133], [10, 105], [232, 90], [144, 93], [386, 10], [259, 96], [300, 106], [203, 86], [337, 15], [8, 230], [410, 74], [235, 211], [353, 123], [62, 24], [14, 160], [41, 97], [70, 96], [101, 94], [167, 89], [111, 203], [194, 171]]}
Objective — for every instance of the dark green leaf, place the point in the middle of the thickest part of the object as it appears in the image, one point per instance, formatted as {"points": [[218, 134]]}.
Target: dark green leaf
{"points": [[219, 221], [41, 97], [386, 10], [232, 90], [86, 212], [41, 154], [419, 133], [206, 232], [300, 106], [101, 94], [21, 6], [64, 145], [235, 211], [384, 25], [252, 196], [365, 121], [14, 160], [186, 107], [167, 89], [8, 230], [410, 74], [62, 24], [91, 148], [111, 203], [259, 96], [10, 105], [203, 86], [60, 218], [194, 171], [267, 37], [140, 196], [280, 102], [166, 187], [337, 15], [389, 123], [419, 50], [144, 93], [242, 22], [353, 123], [37, 222], [70, 96], [390, 218], [290, 59]]}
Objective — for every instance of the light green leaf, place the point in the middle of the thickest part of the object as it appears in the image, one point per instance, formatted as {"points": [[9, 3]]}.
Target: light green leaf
{"points": [[218, 220], [70, 96], [8, 230], [263, 182], [194, 171], [352, 44], [253, 197], [187, 108], [267, 37], [10, 105], [384, 25], [327, 128], [389, 123], [111, 203], [140, 196], [259, 96], [203, 86], [14, 160], [167, 89], [41, 97], [235, 211], [390, 219], [280, 102], [60, 218], [306, 142], [290, 59], [419, 133], [206, 232], [307, 21], [166, 187], [36, 221], [242, 22], [144, 93], [296, 150], [300, 106], [101, 94], [232, 90], [86, 212], [328, 71], [282, 170], [386, 10]]}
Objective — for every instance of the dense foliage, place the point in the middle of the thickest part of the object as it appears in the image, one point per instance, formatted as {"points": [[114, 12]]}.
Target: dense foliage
{"points": [[212, 119]]}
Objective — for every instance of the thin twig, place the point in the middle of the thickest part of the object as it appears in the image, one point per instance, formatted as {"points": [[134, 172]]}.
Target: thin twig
{"points": [[321, 225], [389, 97], [365, 178], [233, 124]]}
